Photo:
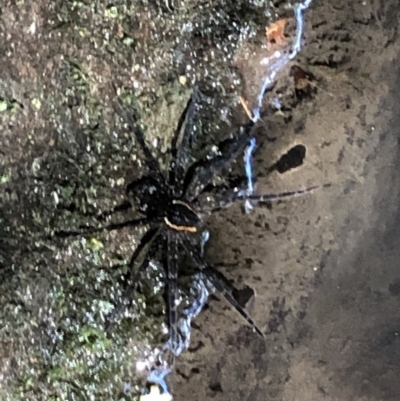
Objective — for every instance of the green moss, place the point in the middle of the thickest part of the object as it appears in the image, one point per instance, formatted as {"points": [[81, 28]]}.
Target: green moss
{"points": [[3, 105]]}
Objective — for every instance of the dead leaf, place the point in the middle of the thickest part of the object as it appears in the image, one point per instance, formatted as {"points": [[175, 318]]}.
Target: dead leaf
{"points": [[246, 107], [276, 32]]}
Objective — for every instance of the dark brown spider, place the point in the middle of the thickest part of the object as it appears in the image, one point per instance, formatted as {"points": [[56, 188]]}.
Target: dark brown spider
{"points": [[175, 208]]}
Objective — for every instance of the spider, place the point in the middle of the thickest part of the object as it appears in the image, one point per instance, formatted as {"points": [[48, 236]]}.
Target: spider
{"points": [[174, 207]]}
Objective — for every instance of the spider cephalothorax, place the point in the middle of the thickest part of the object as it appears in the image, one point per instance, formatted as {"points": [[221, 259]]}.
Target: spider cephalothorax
{"points": [[174, 210], [157, 202]]}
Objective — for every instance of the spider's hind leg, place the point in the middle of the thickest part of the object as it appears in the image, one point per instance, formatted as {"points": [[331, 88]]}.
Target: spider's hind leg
{"points": [[124, 206], [219, 282], [154, 237], [170, 260], [180, 143], [132, 120], [88, 230]]}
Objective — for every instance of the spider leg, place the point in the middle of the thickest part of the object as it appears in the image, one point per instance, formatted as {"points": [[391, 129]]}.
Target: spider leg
{"points": [[119, 208], [280, 196], [229, 199], [170, 261], [131, 119], [153, 236], [218, 281], [86, 230], [199, 175], [179, 150]]}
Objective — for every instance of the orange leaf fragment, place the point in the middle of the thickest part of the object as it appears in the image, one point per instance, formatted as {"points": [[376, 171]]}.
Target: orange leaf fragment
{"points": [[276, 32], [246, 107]]}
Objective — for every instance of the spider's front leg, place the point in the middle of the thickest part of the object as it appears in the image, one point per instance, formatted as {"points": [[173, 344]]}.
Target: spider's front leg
{"points": [[123, 207], [228, 198], [202, 173]]}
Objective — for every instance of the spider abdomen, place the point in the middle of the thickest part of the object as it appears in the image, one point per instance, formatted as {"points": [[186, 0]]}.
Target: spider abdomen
{"points": [[149, 196], [180, 216]]}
